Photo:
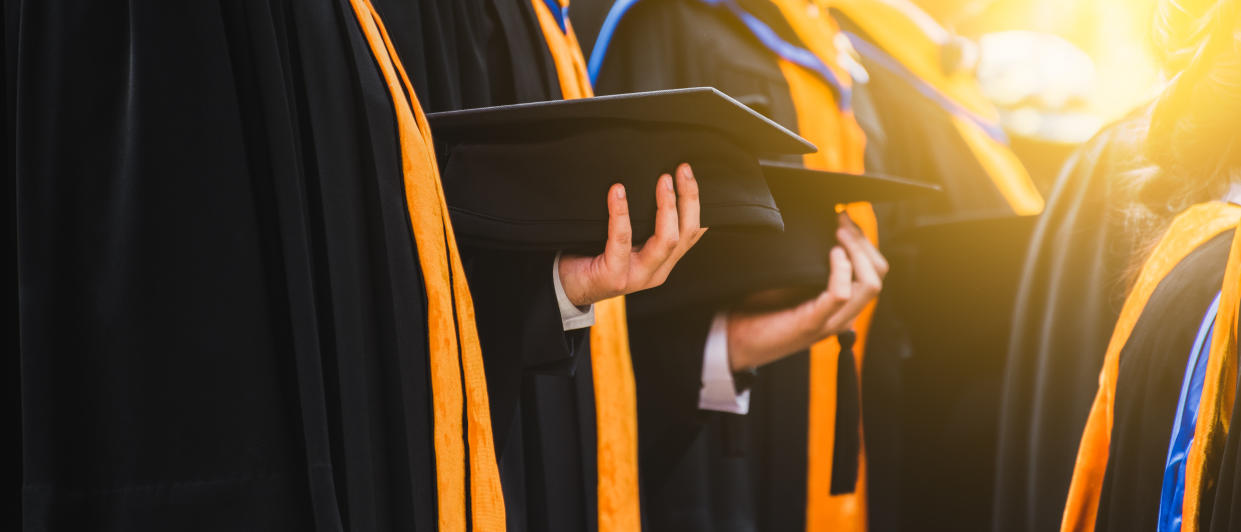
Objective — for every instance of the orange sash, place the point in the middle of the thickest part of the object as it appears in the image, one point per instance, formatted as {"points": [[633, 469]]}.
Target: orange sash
{"points": [[841, 148], [914, 40], [1218, 394], [1190, 230], [455, 356], [616, 411]]}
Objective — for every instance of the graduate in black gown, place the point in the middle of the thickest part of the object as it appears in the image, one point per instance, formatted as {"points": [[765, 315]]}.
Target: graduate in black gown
{"points": [[931, 379], [925, 369], [223, 314], [241, 305], [1072, 288], [1158, 451], [705, 467], [478, 53]]}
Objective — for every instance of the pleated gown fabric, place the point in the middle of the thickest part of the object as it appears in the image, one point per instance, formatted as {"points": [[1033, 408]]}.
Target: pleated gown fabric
{"points": [[223, 315], [1071, 291], [480, 53]]}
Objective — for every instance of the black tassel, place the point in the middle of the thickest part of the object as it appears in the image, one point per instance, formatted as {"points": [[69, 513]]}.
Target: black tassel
{"points": [[848, 419]]}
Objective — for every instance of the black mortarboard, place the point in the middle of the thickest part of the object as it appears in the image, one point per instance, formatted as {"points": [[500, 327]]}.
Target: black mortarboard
{"points": [[536, 175], [725, 268]]}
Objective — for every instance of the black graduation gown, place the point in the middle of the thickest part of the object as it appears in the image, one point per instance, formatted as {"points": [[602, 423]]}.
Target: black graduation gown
{"points": [[703, 470], [475, 53], [1071, 292], [931, 375], [1152, 367], [12, 364], [221, 310]]}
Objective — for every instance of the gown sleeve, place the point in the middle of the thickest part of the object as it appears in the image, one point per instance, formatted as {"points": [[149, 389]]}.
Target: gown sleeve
{"points": [[667, 355], [519, 323]]}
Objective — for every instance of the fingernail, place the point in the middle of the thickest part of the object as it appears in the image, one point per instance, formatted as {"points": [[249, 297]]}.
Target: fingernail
{"points": [[666, 181], [685, 171], [620, 192]]}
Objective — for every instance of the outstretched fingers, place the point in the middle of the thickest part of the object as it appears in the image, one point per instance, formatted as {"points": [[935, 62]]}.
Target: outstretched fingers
{"points": [[660, 247], [616, 253], [876, 258], [689, 209], [690, 230], [840, 278], [839, 291], [869, 280]]}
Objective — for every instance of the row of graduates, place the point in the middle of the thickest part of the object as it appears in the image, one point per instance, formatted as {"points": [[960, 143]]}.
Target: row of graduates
{"points": [[1120, 380], [243, 306]]}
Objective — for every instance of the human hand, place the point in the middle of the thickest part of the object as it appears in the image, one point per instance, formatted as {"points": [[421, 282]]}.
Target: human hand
{"points": [[856, 278], [623, 269]]}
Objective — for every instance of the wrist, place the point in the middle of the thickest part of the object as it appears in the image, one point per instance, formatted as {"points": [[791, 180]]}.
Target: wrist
{"points": [[739, 352], [755, 339], [572, 280]]}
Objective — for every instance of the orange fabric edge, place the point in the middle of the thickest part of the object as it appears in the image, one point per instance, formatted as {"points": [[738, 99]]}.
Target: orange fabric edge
{"points": [[1218, 392], [486, 494], [892, 26], [1003, 167], [616, 411], [841, 145], [616, 416], [447, 293], [566, 54], [1191, 229]]}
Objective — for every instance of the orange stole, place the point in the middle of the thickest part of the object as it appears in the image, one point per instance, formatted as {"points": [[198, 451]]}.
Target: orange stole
{"points": [[1218, 394], [1190, 230], [908, 34], [903, 31], [841, 148], [455, 356], [1007, 172], [616, 411], [566, 54]]}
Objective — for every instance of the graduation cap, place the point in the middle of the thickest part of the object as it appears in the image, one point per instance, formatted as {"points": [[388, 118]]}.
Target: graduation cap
{"points": [[536, 175], [726, 269], [809, 189]]}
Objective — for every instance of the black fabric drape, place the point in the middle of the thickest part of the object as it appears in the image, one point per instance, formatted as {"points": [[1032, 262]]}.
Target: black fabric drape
{"points": [[705, 470], [12, 365], [474, 53], [221, 311], [1072, 287], [1152, 368], [478, 53], [931, 373]]}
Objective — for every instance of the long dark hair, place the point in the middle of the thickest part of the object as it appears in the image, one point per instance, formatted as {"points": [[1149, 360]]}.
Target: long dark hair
{"points": [[1194, 138]]}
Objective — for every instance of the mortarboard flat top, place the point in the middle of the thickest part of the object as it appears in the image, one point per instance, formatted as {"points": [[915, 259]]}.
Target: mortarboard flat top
{"points": [[822, 187], [698, 107], [536, 175]]}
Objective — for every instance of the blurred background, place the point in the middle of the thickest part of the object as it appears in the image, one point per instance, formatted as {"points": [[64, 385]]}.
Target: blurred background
{"points": [[1057, 69]]}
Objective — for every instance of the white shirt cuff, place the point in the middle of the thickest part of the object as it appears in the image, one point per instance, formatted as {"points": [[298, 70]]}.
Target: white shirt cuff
{"points": [[571, 316], [719, 393]]}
